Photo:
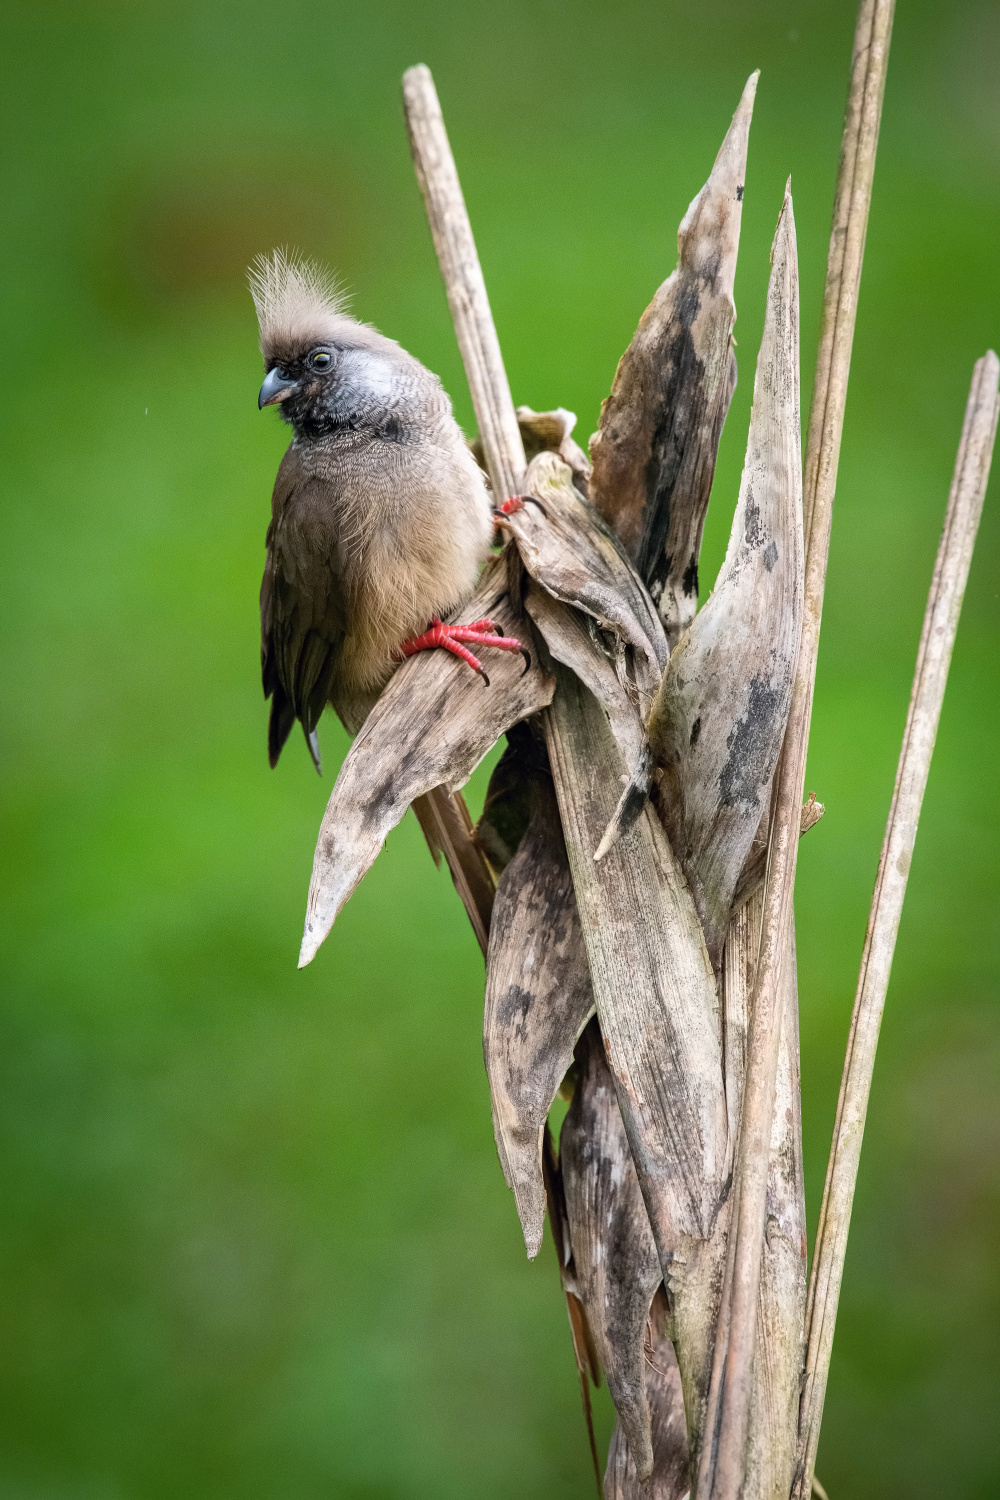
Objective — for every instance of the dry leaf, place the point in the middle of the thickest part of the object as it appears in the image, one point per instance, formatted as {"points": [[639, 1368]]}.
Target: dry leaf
{"points": [[653, 983], [654, 454], [670, 1478], [547, 432], [566, 634], [538, 991], [567, 548], [719, 719], [614, 1256]]}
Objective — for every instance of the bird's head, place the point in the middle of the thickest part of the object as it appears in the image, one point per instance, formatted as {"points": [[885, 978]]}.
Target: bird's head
{"points": [[325, 371]]}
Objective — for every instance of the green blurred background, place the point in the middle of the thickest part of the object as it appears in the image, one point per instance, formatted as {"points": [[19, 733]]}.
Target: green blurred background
{"points": [[254, 1238]]}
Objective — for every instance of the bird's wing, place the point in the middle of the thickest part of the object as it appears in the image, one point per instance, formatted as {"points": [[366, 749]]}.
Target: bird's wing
{"points": [[303, 608]]}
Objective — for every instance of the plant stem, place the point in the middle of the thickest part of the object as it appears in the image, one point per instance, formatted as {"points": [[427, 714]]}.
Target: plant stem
{"points": [[463, 280], [965, 503], [738, 1320]]}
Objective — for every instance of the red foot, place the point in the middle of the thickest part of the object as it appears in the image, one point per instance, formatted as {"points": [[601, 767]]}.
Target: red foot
{"points": [[450, 638], [516, 502]]}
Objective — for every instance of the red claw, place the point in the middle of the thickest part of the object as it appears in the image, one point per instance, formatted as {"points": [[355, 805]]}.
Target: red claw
{"points": [[516, 502], [451, 638]]}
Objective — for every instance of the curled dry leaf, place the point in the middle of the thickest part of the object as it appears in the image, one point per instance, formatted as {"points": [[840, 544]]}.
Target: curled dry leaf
{"points": [[551, 431], [670, 1478], [617, 1268], [565, 632], [595, 616], [548, 432], [431, 727], [653, 983], [538, 991], [654, 453], [719, 718], [567, 548]]}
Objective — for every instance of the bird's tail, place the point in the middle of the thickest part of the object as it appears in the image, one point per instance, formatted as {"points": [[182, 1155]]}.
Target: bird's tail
{"points": [[279, 725]]}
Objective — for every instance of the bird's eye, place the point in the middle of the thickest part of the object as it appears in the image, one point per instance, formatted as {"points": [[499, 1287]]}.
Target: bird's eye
{"points": [[320, 359]]}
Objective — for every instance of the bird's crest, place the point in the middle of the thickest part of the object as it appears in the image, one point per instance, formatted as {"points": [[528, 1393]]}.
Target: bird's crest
{"points": [[298, 303]]}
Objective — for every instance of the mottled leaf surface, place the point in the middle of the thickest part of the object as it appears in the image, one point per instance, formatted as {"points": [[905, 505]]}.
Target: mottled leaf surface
{"points": [[719, 719], [538, 994], [617, 1267], [670, 1479], [653, 982], [654, 453], [604, 665], [568, 549]]}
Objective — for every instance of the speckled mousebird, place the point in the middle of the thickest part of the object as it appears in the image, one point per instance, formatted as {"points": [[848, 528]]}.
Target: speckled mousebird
{"points": [[380, 517]]}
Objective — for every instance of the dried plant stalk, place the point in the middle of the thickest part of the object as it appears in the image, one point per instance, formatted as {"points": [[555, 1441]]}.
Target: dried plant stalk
{"points": [[852, 200], [771, 1443], [951, 570], [463, 279], [680, 1183], [723, 1458]]}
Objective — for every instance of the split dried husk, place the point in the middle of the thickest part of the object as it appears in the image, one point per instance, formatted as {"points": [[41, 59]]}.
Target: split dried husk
{"points": [[654, 453]]}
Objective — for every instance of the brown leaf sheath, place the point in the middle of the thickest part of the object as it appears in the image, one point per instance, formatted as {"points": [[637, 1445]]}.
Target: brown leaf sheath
{"points": [[654, 453], [653, 983], [614, 1255], [719, 718], [538, 996], [670, 1479]]}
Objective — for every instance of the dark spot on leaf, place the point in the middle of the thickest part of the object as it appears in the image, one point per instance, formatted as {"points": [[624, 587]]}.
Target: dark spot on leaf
{"points": [[753, 531], [513, 1010], [753, 744], [770, 554], [739, 192], [682, 374], [695, 732], [690, 582]]}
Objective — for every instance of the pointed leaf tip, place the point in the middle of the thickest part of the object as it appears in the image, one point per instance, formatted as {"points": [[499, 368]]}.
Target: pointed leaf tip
{"points": [[786, 222]]}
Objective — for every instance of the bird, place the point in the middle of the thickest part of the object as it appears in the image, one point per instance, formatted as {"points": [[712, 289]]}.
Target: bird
{"points": [[381, 518]]}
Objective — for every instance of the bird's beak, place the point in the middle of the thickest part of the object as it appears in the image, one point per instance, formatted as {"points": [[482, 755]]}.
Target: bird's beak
{"points": [[276, 387]]}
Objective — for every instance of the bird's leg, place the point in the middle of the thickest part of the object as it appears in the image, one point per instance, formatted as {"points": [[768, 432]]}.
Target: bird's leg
{"points": [[453, 637]]}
